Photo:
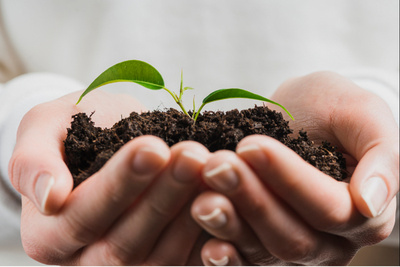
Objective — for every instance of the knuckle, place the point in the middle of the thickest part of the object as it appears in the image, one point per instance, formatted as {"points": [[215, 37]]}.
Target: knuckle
{"points": [[328, 224], [332, 221], [120, 187], [160, 209], [163, 206], [77, 232], [258, 206]]}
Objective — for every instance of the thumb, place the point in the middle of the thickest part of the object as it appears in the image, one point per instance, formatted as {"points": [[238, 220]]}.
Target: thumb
{"points": [[375, 181], [365, 127], [37, 169], [42, 177]]}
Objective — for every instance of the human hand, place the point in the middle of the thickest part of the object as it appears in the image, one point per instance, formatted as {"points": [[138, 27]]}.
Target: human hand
{"points": [[135, 210], [271, 207]]}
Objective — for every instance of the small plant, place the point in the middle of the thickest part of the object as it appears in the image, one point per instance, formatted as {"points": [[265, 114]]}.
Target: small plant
{"points": [[147, 76]]}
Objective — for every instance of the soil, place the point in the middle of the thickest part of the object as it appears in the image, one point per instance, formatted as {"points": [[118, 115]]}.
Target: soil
{"points": [[88, 147]]}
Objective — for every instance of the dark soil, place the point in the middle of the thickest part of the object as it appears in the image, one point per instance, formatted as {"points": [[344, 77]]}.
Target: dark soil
{"points": [[88, 147]]}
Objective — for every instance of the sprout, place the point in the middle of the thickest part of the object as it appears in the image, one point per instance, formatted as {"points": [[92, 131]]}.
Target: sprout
{"points": [[147, 76]]}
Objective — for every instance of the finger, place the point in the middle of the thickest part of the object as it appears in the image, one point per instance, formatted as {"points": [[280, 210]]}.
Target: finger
{"points": [[215, 213], [43, 178], [356, 127], [374, 143], [217, 252], [303, 187], [375, 181], [177, 241], [156, 208], [37, 169], [373, 187], [195, 255], [282, 232], [97, 202]]}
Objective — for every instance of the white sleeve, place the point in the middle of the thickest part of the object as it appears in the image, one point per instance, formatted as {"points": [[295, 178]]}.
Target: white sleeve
{"points": [[17, 97], [386, 85]]}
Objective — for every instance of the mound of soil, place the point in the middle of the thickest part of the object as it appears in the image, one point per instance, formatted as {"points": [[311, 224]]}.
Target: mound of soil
{"points": [[88, 147]]}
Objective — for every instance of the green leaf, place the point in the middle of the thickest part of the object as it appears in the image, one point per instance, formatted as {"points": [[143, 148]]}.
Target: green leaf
{"points": [[135, 71], [238, 93]]}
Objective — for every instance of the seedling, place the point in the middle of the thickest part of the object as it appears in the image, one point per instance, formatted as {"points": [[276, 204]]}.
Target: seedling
{"points": [[147, 76]]}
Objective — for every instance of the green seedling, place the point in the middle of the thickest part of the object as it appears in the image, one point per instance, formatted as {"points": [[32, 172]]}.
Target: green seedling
{"points": [[144, 74]]}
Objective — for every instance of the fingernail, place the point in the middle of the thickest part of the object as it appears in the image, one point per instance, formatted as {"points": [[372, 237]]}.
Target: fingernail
{"points": [[43, 186], [221, 262], [222, 177], [184, 169], [253, 154], [215, 219], [251, 147], [148, 160], [375, 192]]}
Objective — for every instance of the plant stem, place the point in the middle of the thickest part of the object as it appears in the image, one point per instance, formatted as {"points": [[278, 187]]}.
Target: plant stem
{"points": [[198, 112], [194, 109], [177, 100]]}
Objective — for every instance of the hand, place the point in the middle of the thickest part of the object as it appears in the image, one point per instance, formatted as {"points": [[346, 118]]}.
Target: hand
{"points": [[135, 210], [271, 207]]}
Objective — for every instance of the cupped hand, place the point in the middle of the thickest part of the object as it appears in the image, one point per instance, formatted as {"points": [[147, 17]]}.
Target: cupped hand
{"points": [[268, 206], [135, 210]]}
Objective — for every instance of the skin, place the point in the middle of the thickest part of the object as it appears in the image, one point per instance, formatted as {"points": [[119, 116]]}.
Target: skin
{"points": [[128, 213], [263, 204], [281, 210]]}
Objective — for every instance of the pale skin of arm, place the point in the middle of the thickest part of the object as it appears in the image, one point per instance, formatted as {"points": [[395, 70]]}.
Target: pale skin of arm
{"points": [[268, 206], [279, 210]]}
